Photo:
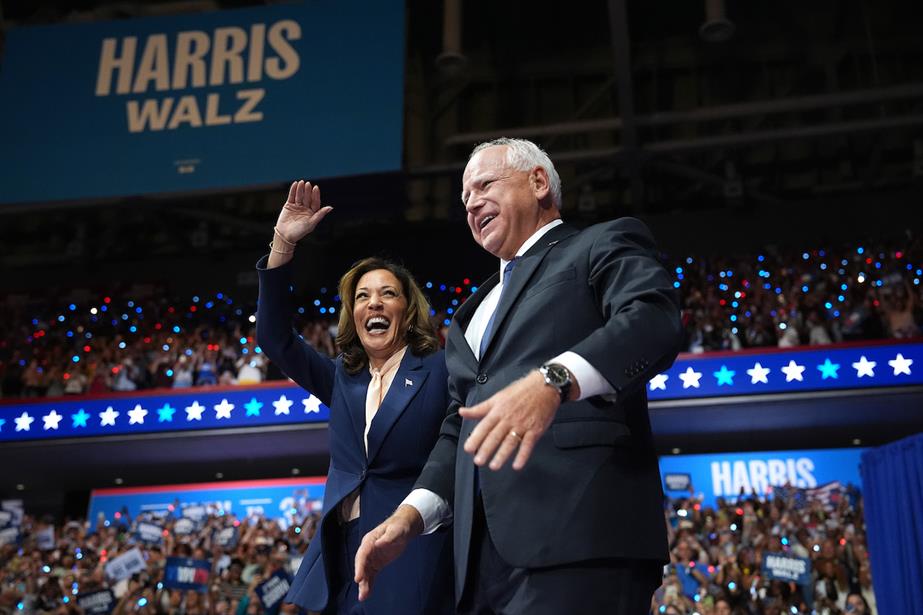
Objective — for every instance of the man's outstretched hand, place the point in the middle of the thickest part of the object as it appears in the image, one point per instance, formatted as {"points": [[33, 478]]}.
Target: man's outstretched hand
{"points": [[384, 544]]}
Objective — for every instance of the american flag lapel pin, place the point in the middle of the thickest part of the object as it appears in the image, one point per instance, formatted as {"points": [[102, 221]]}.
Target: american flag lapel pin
{"points": [[408, 382]]}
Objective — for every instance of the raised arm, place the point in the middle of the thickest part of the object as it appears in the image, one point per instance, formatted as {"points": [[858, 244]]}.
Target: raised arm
{"points": [[314, 372]]}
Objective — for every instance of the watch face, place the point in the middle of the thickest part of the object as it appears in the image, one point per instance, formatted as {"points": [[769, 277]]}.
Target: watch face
{"points": [[557, 375]]}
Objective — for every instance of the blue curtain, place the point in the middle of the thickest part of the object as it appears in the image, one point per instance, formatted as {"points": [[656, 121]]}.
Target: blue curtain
{"points": [[892, 481]]}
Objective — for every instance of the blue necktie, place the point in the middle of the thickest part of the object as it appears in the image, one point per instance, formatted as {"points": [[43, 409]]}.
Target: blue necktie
{"points": [[485, 339], [488, 330]]}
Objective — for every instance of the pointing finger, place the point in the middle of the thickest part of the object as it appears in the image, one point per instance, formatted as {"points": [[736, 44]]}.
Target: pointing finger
{"points": [[477, 411], [473, 443]]}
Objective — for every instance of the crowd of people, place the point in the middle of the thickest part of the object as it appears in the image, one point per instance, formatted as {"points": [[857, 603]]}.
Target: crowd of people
{"points": [[774, 298], [53, 579], [794, 298], [717, 557]]}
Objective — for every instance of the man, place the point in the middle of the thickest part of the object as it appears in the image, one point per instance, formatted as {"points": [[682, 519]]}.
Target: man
{"points": [[548, 363]]}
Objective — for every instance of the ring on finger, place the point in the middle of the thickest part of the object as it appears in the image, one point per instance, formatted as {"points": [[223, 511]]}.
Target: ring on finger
{"points": [[515, 435]]}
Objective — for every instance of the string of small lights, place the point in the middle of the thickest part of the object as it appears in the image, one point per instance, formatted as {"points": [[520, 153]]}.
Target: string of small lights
{"points": [[723, 296]]}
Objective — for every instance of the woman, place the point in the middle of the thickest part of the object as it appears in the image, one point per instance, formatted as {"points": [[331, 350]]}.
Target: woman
{"points": [[387, 395]]}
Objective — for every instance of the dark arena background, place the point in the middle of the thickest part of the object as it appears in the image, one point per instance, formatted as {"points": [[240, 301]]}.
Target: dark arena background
{"points": [[775, 149]]}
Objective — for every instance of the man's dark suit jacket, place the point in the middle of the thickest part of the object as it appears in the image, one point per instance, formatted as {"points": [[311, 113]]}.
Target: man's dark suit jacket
{"points": [[592, 488]]}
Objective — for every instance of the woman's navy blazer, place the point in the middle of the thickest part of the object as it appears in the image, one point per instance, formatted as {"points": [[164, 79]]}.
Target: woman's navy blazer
{"points": [[401, 437]]}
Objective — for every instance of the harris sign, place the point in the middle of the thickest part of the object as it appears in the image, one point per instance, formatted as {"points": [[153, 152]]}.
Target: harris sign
{"points": [[201, 102]]}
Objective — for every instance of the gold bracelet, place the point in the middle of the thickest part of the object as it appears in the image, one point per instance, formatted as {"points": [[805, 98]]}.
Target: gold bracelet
{"points": [[272, 248], [282, 237]]}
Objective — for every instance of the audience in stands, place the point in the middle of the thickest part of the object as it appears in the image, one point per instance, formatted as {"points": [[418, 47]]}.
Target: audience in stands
{"points": [[768, 299], [716, 568], [718, 555]]}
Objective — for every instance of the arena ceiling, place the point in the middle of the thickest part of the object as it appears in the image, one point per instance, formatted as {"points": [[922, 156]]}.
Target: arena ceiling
{"points": [[791, 100], [648, 108]]}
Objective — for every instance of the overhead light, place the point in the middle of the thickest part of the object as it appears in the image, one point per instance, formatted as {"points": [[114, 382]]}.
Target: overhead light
{"points": [[716, 28], [451, 59]]}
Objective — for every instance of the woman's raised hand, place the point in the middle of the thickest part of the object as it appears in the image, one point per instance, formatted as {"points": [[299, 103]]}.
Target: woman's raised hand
{"points": [[301, 213]]}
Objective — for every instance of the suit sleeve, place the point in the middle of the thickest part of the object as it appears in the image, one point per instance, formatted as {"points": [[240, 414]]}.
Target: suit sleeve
{"points": [[438, 475], [641, 331], [279, 340]]}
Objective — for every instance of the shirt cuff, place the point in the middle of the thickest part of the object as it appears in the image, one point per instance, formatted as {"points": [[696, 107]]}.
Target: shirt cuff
{"points": [[434, 510], [588, 377]]}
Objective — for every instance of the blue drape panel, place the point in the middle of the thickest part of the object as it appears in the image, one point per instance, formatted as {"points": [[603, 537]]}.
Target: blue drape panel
{"points": [[892, 481]]}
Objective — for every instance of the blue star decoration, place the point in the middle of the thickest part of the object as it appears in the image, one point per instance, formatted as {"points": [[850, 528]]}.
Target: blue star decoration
{"points": [[253, 407], [828, 369], [165, 413], [79, 418], [724, 376]]}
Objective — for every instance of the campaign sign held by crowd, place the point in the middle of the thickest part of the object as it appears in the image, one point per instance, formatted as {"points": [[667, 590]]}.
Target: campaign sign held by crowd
{"points": [[184, 526], [97, 603], [273, 590], [196, 513], [6, 518], [186, 573], [9, 536], [44, 538], [227, 537], [150, 533], [677, 481], [787, 568], [14, 507], [125, 565]]}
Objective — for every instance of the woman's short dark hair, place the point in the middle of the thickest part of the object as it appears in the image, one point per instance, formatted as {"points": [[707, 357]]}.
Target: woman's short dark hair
{"points": [[420, 333]]}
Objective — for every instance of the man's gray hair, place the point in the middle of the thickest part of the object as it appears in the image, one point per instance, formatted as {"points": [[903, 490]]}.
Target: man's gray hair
{"points": [[523, 155]]}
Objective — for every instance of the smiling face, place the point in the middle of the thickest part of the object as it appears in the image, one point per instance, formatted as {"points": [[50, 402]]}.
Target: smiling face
{"points": [[379, 307], [505, 206]]}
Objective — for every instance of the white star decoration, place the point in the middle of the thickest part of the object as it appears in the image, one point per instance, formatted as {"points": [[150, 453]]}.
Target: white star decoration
{"points": [[282, 405], [659, 382], [108, 417], [223, 410], [900, 364], [864, 367], [793, 371], [23, 422], [52, 419], [311, 404], [194, 412], [758, 374], [690, 378], [136, 415]]}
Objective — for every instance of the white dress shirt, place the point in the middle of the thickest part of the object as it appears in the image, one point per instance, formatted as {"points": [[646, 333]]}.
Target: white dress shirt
{"points": [[378, 387], [434, 510]]}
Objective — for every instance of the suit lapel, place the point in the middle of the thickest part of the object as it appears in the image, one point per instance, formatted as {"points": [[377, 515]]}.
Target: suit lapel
{"points": [[357, 387], [463, 317], [407, 382], [521, 276]]}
